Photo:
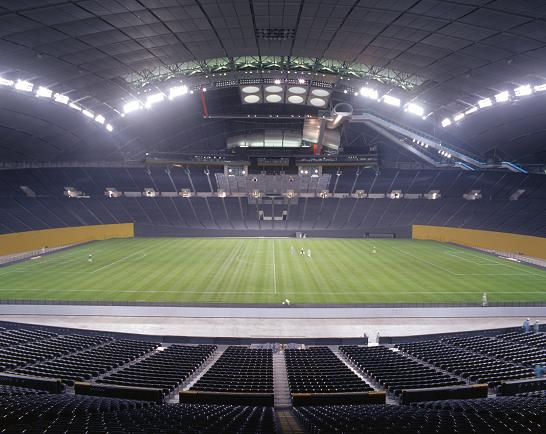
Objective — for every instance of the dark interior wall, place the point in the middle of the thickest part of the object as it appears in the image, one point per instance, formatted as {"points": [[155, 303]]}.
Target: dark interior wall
{"points": [[143, 230]]}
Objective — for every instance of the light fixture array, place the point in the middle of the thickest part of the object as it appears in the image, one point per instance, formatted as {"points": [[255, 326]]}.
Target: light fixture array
{"points": [[25, 86], [373, 94], [152, 99], [499, 98], [290, 91]]}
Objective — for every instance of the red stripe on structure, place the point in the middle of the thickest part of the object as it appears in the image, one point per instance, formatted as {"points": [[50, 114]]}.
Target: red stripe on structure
{"points": [[204, 104]]}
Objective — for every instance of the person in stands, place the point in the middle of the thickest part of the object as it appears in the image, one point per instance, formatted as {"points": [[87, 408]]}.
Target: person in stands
{"points": [[536, 327], [526, 326]]}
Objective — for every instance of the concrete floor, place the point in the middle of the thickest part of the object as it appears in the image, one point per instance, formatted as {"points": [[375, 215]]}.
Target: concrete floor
{"points": [[272, 327]]}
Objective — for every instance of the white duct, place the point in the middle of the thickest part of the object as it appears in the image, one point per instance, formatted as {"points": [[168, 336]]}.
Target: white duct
{"points": [[341, 113]]}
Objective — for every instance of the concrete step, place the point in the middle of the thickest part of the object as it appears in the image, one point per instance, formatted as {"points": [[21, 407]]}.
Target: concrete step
{"points": [[280, 381], [287, 422]]}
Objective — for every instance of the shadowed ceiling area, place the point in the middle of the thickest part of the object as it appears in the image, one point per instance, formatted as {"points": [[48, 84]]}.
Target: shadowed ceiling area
{"points": [[444, 55]]}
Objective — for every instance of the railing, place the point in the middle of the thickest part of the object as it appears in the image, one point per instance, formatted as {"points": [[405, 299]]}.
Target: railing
{"points": [[516, 257], [8, 259], [30, 301]]}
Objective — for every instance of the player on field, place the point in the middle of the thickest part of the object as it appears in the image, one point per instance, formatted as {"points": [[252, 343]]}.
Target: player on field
{"points": [[484, 300], [302, 251], [90, 258], [373, 249], [292, 250], [309, 253]]}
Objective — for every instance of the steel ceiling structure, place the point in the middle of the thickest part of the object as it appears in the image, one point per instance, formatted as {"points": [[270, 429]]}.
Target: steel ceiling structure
{"points": [[444, 54]]}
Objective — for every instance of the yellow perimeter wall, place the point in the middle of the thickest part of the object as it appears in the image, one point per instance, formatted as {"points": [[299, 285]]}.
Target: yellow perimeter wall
{"points": [[34, 240], [500, 241]]}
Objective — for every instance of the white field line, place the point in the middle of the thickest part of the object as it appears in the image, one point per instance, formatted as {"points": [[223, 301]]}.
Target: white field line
{"points": [[118, 260], [481, 262], [274, 269], [524, 273], [513, 267]]}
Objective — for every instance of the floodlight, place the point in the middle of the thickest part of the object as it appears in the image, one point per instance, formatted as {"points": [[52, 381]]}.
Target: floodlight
{"points": [[100, 119], [369, 93], [131, 106], [88, 114], [415, 109], [277, 81], [471, 110], [44, 92], [503, 96], [25, 86], [301, 81], [523, 90], [446, 122], [153, 99], [485, 103], [75, 107], [6, 82], [109, 127], [391, 100], [458, 117], [63, 99], [539, 88], [177, 91]]}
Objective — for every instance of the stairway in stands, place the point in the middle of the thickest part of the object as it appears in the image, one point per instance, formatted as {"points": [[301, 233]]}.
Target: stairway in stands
{"points": [[286, 421], [280, 378]]}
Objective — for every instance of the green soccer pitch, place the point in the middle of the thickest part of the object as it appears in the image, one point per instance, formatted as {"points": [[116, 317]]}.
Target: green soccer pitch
{"points": [[213, 270]]}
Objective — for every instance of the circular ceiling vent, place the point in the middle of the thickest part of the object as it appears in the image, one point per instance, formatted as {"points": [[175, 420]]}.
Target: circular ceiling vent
{"points": [[298, 90], [317, 102], [250, 89], [273, 89], [295, 99], [273, 98], [251, 99], [320, 92]]}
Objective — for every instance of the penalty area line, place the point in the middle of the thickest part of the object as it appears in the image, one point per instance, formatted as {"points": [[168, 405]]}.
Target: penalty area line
{"points": [[119, 260]]}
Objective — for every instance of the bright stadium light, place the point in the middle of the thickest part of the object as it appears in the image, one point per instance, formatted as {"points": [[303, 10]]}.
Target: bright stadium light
{"points": [[154, 99], [391, 100], [486, 102], [6, 82], [131, 106], [523, 90], [75, 107], [503, 96], [369, 93], [458, 117], [100, 119], [539, 88], [415, 109], [301, 81], [109, 127], [25, 86], [60, 98], [446, 122], [44, 92], [471, 110], [177, 91], [88, 114]]}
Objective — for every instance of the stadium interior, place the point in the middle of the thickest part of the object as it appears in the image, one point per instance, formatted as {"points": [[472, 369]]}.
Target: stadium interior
{"points": [[272, 216]]}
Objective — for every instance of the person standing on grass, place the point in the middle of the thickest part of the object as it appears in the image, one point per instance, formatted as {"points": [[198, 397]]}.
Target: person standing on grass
{"points": [[526, 326], [90, 258], [484, 300]]}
